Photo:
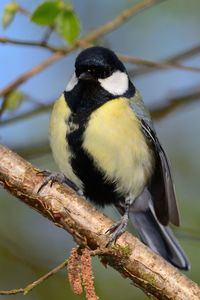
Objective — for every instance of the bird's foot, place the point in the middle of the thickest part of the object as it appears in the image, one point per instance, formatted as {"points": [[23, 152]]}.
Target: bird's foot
{"points": [[117, 229], [53, 177]]}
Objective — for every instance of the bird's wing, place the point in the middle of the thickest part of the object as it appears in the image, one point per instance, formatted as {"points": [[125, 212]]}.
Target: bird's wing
{"points": [[161, 186]]}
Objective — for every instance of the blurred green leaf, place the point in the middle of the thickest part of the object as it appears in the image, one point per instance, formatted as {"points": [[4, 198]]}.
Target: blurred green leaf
{"points": [[46, 13], [13, 100], [68, 25], [9, 13]]}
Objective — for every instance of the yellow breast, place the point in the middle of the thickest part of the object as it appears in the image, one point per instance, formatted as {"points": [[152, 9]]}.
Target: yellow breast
{"points": [[57, 134], [114, 140]]}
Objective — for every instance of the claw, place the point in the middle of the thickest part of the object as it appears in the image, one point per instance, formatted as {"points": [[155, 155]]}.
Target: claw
{"points": [[113, 227], [44, 173], [116, 233], [118, 228], [46, 181], [53, 177]]}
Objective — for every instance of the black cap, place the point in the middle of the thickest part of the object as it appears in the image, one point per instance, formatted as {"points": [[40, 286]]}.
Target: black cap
{"points": [[99, 57]]}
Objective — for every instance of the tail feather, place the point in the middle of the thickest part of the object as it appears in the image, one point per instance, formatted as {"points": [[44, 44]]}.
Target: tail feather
{"points": [[159, 238]]}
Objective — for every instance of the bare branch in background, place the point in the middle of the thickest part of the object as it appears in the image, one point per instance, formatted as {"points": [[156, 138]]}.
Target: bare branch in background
{"points": [[186, 54], [173, 103], [29, 74], [43, 43], [23, 10], [88, 226], [90, 37], [31, 152], [47, 35], [28, 114], [158, 112], [170, 64], [156, 64]]}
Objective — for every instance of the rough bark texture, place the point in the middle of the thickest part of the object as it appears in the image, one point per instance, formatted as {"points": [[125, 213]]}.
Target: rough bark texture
{"points": [[67, 210]]}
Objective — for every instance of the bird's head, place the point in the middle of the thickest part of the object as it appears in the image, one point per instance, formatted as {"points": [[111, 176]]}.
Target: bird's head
{"points": [[99, 65]]}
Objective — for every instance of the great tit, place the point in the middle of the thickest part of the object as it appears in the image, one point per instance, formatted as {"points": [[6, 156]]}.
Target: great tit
{"points": [[104, 142]]}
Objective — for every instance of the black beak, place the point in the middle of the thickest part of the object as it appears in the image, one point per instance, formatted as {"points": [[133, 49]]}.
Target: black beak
{"points": [[86, 76]]}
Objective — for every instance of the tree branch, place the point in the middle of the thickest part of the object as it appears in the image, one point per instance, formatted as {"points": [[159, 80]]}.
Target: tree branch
{"points": [[72, 213], [90, 37]]}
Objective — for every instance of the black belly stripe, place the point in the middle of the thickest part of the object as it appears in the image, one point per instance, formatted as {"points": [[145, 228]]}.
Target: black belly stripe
{"points": [[96, 188], [82, 100]]}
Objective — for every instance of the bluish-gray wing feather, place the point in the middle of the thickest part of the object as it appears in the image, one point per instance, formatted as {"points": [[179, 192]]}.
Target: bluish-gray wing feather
{"points": [[162, 187]]}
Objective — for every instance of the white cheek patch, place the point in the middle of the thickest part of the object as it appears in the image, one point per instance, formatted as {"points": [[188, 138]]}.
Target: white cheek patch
{"points": [[71, 84], [116, 84]]}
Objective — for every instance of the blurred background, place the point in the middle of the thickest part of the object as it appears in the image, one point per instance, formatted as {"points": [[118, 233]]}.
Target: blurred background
{"points": [[30, 245]]}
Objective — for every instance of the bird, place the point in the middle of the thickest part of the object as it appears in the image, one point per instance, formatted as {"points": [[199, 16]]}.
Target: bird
{"points": [[104, 142]]}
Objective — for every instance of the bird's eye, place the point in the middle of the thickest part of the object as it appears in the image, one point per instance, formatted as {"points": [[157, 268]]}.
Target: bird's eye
{"points": [[92, 71], [105, 73], [95, 71]]}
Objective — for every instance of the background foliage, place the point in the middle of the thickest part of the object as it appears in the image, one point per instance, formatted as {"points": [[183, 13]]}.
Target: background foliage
{"points": [[29, 244]]}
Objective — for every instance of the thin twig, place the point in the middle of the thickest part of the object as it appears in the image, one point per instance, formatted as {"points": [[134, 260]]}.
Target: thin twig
{"points": [[156, 64], [12, 292], [28, 114], [93, 35], [186, 54], [23, 10], [47, 34], [32, 285], [98, 252], [45, 277], [24, 77], [34, 151], [124, 58], [157, 113], [173, 103], [43, 44], [121, 18]]}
